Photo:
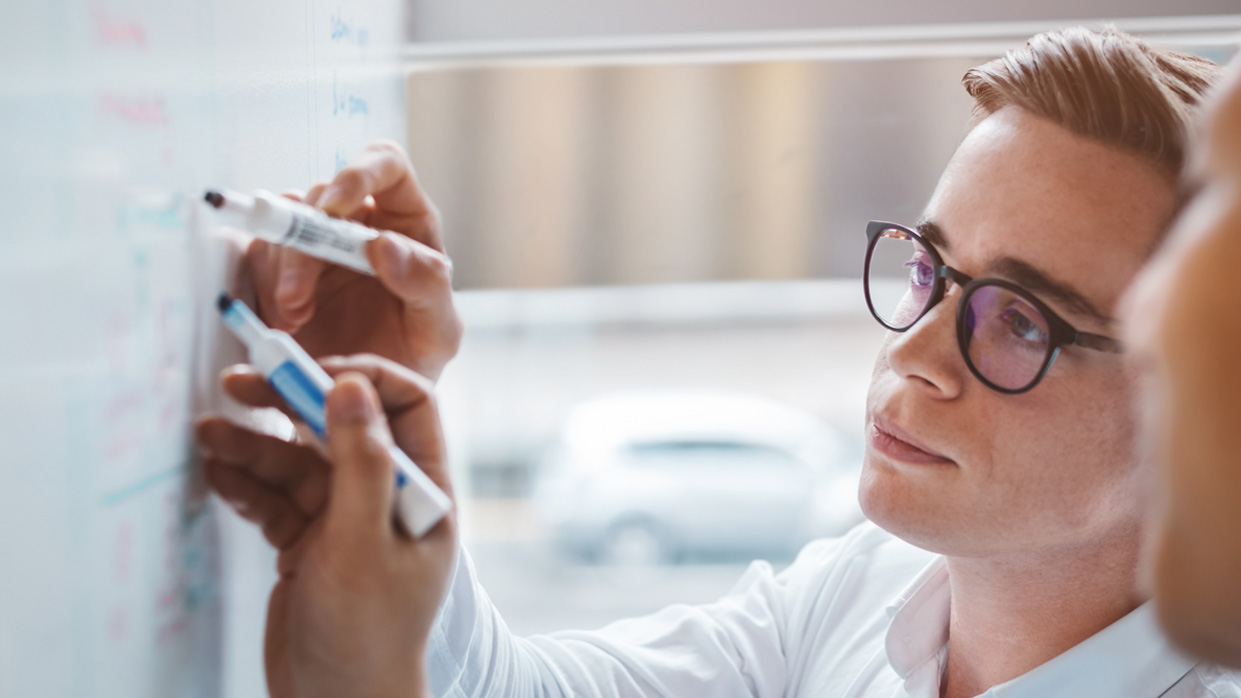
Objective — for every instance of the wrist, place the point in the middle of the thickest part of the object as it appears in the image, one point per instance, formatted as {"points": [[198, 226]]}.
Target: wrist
{"points": [[409, 682], [421, 686], [418, 688]]}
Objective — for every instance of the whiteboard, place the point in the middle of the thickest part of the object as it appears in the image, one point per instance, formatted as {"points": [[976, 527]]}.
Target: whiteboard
{"points": [[118, 575]]}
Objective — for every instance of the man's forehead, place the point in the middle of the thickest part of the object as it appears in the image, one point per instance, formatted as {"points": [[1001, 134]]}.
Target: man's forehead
{"points": [[1032, 201]]}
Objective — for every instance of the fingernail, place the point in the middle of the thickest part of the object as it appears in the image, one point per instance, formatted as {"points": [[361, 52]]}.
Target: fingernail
{"points": [[395, 256], [330, 199], [235, 369], [349, 402], [332, 361]]}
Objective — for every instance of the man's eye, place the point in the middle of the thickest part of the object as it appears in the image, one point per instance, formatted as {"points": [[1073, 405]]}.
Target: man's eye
{"points": [[920, 273], [1023, 327]]}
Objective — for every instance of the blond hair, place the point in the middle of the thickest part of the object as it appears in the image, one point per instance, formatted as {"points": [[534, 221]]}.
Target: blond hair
{"points": [[1105, 85]]}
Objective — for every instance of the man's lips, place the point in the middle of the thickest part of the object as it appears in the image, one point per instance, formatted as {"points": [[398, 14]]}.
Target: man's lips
{"points": [[898, 444]]}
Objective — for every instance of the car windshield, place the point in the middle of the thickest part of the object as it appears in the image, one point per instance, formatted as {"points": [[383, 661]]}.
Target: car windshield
{"points": [[703, 451]]}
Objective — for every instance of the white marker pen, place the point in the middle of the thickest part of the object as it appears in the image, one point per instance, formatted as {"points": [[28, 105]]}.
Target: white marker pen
{"points": [[304, 385], [305, 228]]}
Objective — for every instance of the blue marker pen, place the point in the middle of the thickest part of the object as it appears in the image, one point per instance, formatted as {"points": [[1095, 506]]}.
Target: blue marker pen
{"points": [[304, 384]]}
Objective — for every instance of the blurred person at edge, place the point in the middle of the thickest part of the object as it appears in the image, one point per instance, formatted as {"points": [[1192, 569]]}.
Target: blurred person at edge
{"points": [[1003, 554], [1182, 319]]}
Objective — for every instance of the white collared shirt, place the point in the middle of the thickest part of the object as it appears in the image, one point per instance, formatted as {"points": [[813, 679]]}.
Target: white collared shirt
{"points": [[862, 615]]}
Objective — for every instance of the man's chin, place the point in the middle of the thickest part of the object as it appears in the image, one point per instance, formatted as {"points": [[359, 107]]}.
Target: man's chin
{"points": [[908, 509]]}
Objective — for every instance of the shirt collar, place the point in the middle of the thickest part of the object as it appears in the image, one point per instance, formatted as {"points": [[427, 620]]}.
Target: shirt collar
{"points": [[1130, 658], [918, 629]]}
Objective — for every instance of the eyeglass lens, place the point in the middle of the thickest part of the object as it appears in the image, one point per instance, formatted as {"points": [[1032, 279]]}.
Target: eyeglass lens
{"points": [[1007, 339]]}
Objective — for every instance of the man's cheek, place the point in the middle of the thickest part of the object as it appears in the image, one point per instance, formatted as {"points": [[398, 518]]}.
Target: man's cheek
{"points": [[883, 380], [882, 367]]}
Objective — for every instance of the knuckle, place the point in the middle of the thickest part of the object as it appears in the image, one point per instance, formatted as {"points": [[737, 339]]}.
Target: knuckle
{"points": [[315, 191], [456, 330], [439, 266], [423, 385], [432, 218], [363, 447], [372, 452], [419, 387], [279, 528], [266, 514]]}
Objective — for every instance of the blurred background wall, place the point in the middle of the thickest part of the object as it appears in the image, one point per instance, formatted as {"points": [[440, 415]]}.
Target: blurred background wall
{"points": [[679, 171]]}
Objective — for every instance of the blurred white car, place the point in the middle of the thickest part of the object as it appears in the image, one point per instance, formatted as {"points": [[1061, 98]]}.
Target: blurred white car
{"points": [[659, 476]]}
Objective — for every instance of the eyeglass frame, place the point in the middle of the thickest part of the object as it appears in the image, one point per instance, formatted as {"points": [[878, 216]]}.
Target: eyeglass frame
{"points": [[1060, 332]]}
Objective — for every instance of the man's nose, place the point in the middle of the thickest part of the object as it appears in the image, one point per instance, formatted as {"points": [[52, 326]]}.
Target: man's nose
{"points": [[927, 353]]}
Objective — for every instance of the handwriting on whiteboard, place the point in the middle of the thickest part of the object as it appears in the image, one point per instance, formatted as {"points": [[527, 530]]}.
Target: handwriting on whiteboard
{"points": [[346, 103], [114, 30], [346, 31], [141, 111]]}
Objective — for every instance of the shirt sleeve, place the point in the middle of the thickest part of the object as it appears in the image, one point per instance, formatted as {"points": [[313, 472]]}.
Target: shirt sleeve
{"points": [[735, 647]]}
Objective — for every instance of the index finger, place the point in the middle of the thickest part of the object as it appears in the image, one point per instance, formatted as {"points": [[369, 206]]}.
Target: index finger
{"points": [[383, 172]]}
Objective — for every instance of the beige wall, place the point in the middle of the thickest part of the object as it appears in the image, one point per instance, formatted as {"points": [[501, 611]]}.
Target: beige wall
{"points": [[563, 175]]}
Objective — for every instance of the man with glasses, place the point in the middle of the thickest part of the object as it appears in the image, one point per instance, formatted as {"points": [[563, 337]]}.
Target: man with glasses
{"points": [[1007, 498], [1008, 337]]}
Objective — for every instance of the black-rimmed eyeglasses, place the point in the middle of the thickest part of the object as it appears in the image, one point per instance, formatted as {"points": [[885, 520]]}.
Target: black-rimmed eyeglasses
{"points": [[1008, 337]]}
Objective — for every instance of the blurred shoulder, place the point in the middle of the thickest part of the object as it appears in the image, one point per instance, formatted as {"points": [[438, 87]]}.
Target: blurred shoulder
{"points": [[865, 570], [1208, 680]]}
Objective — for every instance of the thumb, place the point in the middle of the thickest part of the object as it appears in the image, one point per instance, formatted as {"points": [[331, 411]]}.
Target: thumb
{"points": [[358, 444]]}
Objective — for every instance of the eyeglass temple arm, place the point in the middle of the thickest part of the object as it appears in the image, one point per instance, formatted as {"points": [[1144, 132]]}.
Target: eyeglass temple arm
{"points": [[1098, 342]]}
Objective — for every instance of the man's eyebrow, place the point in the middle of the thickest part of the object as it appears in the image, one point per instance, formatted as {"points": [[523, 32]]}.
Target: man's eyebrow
{"points": [[933, 234], [1045, 286], [1023, 274]]}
